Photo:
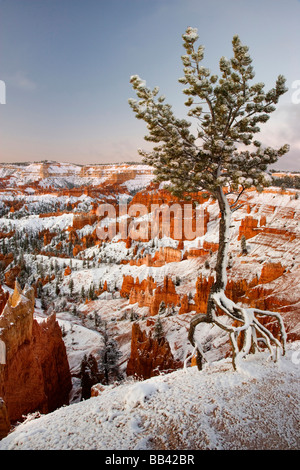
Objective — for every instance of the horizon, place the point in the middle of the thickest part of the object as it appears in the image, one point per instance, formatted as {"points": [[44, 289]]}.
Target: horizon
{"points": [[66, 68], [120, 163]]}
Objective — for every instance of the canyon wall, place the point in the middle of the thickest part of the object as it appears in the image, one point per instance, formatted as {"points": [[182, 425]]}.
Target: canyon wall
{"points": [[149, 356], [56, 175], [35, 374]]}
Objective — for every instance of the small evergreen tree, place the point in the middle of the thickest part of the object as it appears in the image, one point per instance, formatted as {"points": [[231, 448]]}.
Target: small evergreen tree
{"points": [[158, 329], [83, 295], [244, 245], [98, 321], [133, 315], [216, 158], [89, 375], [71, 286], [39, 289], [162, 308], [43, 302], [109, 358], [57, 288], [92, 294]]}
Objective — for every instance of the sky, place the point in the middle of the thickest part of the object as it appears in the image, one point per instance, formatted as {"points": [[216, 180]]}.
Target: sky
{"points": [[66, 66]]}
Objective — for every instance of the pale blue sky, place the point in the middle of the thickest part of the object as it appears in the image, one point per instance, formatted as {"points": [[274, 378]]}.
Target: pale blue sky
{"points": [[67, 65]]}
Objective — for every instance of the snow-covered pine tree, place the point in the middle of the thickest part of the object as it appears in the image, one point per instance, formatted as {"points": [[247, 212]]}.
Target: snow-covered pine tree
{"points": [[89, 375], [162, 308], [109, 358], [71, 286], [222, 157], [158, 329]]}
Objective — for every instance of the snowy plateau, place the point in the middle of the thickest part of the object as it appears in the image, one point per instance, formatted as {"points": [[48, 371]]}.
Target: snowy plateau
{"points": [[217, 409], [133, 299]]}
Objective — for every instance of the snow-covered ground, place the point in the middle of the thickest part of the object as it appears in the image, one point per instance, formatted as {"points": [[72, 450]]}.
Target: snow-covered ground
{"points": [[257, 408], [215, 409], [64, 175]]}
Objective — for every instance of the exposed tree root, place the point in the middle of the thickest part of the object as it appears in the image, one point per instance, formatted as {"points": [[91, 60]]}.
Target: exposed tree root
{"points": [[253, 331]]}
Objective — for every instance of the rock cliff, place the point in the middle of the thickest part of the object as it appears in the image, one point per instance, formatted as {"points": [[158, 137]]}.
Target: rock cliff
{"points": [[4, 421], [149, 355], [34, 374]]}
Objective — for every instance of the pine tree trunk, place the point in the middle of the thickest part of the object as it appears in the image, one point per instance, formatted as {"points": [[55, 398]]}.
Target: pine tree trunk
{"points": [[221, 266], [250, 325], [221, 275]]}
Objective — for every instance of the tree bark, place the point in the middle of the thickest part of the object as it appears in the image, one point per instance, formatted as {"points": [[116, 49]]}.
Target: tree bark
{"points": [[221, 276], [224, 232]]}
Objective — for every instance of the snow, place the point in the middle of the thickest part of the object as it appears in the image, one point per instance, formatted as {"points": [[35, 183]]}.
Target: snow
{"points": [[256, 407], [64, 175], [79, 341], [34, 223], [191, 34], [217, 408], [139, 182], [139, 393]]}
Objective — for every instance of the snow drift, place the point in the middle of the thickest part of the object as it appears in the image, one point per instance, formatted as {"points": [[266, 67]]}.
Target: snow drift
{"points": [[218, 409]]}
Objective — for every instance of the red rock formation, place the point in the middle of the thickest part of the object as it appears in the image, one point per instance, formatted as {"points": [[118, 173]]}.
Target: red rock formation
{"points": [[210, 246], [35, 375], [173, 224], [5, 260], [128, 242], [166, 255], [149, 356], [67, 271], [251, 227], [203, 286], [77, 249], [127, 285], [11, 275], [73, 237], [161, 257], [248, 228], [250, 292], [50, 214], [4, 421], [166, 293], [197, 253], [3, 299], [90, 240], [153, 195], [98, 389], [184, 305], [270, 272], [238, 290], [104, 288], [81, 220], [6, 235], [148, 294]]}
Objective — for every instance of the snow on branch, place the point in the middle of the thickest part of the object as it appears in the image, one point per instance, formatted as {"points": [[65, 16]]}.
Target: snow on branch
{"points": [[251, 328]]}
